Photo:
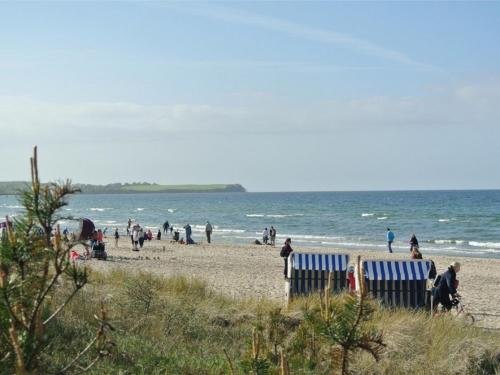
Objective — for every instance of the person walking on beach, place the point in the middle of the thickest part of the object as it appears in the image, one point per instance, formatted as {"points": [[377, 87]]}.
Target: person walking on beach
{"points": [[272, 235], [390, 239], [100, 236], [135, 238], [117, 237], [158, 235], [142, 234], [208, 231], [286, 250], [189, 241], [265, 236], [129, 225], [413, 242], [166, 225]]}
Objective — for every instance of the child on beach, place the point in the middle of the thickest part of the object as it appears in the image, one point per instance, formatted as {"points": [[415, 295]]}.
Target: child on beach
{"points": [[117, 237]]}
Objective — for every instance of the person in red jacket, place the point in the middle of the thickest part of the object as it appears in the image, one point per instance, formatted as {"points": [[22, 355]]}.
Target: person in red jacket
{"points": [[286, 250]]}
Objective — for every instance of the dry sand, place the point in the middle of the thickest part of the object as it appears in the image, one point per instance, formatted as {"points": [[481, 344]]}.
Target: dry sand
{"points": [[257, 271]]}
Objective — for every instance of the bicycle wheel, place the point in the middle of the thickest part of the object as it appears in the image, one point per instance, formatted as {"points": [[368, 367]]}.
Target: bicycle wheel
{"points": [[468, 318]]}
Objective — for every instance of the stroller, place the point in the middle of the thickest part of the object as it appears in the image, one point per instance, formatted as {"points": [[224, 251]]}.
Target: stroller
{"points": [[98, 251]]}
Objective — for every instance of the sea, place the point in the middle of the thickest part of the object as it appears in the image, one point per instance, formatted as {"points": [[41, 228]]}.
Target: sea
{"points": [[455, 223]]}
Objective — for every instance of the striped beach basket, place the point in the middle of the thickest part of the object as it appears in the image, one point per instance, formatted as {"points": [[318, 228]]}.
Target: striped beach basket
{"points": [[399, 283], [308, 273]]}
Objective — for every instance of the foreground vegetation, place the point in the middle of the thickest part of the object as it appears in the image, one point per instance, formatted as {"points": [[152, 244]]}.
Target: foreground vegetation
{"points": [[178, 326]]}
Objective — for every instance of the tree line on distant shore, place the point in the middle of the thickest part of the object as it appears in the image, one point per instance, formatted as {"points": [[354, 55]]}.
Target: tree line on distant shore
{"points": [[13, 188]]}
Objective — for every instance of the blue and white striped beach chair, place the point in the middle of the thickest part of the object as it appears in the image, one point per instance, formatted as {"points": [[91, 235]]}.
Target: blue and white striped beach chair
{"points": [[396, 282], [308, 272]]}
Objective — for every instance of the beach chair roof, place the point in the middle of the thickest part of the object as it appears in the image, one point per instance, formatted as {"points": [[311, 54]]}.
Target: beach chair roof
{"points": [[396, 269], [319, 262]]}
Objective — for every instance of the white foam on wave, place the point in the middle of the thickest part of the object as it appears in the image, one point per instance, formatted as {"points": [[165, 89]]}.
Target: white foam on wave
{"points": [[254, 215], [99, 209], [382, 218], [216, 229], [365, 215], [308, 237], [443, 242], [140, 209], [171, 210], [283, 215], [485, 244], [444, 220]]}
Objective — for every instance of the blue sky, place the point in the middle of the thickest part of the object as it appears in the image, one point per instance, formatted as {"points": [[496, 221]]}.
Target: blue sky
{"points": [[274, 95]]}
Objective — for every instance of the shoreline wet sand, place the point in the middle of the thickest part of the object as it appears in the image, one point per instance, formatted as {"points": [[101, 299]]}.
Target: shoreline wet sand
{"points": [[256, 271]]}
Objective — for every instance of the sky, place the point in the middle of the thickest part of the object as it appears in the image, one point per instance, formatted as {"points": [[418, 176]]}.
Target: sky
{"points": [[277, 96]]}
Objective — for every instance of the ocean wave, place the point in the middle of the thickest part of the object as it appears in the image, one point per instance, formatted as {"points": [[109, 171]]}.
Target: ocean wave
{"points": [[365, 215], [307, 237], [443, 242], [172, 210], [254, 215], [99, 209], [444, 220], [485, 244], [139, 209], [382, 218]]}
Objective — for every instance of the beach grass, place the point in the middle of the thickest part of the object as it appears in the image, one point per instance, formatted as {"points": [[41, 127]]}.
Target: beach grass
{"points": [[180, 326]]}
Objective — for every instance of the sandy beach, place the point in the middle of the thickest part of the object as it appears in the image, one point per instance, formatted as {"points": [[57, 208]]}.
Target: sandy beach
{"points": [[257, 271]]}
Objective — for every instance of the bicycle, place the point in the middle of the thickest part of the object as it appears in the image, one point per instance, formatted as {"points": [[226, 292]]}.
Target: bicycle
{"points": [[459, 310]]}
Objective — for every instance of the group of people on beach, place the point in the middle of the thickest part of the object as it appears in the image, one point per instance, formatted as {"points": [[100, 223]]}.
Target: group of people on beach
{"points": [[414, 247], [269, 236], [138, 235]]}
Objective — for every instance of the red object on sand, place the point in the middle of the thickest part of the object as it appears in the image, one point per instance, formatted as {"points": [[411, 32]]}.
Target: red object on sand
{"points": [[351, 281]]}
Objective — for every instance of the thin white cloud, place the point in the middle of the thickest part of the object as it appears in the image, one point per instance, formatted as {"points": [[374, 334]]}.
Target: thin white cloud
{"points": [[306, 32], [467, 106]]}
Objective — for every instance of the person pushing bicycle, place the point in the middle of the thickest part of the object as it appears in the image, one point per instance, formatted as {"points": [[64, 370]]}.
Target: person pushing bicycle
{"points": [[446, 285]]}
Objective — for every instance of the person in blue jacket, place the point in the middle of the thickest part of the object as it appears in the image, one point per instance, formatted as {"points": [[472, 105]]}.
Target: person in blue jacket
{"points": [[447, 285], [390, 239]]}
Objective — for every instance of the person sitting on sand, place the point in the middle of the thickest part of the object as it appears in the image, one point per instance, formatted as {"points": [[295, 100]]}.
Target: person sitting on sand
{"points": [[447, 285], [286, 250], [415, 253]]}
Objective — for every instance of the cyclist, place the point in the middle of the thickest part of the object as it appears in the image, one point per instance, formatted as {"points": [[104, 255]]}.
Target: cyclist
{"points": [[446, 285]]}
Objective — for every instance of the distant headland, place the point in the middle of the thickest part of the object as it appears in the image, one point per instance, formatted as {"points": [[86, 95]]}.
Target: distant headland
{"points": [[13, 188]]}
